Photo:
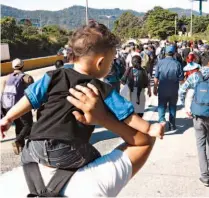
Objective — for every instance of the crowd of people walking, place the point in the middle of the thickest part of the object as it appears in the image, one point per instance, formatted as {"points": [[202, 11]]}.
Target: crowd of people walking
{"points": [[62, 140]]}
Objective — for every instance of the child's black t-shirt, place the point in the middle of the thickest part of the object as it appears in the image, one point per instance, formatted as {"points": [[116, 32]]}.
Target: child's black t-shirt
{"points": [[56, 120]]}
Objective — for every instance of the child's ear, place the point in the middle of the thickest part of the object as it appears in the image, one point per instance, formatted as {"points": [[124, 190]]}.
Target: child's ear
{"points": [[100, 62]]}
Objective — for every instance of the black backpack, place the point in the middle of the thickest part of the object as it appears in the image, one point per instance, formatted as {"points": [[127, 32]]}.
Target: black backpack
{"points": [[162, 53], [142, 80]]}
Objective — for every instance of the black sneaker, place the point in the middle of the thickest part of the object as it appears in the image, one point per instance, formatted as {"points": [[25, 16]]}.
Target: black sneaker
{"points": [[205, 181], [171, 127]]}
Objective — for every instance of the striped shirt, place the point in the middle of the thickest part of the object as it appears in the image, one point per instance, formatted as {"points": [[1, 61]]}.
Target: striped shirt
{"points": [[191, 82]]}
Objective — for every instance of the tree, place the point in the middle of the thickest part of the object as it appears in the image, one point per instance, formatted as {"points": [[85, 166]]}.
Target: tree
{"points": [[128, 26], [26, 41], [55, 30], [9, 30], [160, 23], [29, 31], [207, 29], [200, 23]]}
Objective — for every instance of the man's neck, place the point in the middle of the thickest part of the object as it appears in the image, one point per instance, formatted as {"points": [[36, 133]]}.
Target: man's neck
{"points": [[17, 71]]}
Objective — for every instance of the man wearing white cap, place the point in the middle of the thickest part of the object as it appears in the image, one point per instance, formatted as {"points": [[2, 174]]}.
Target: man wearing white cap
{"points": [[13, 89], [199, 82]]}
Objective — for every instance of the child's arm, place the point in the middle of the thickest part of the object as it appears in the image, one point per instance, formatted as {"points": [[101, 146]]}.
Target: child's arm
{"points": [[143, 126], [22, 107], [35, 95]]}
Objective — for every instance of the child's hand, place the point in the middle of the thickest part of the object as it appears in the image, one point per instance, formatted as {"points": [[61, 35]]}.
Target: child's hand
{"points": [[157, 130], [5, 125]]}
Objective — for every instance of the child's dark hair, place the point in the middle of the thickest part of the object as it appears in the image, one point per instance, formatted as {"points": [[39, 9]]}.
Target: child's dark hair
{"points": [[136, 61], [92, 38]]}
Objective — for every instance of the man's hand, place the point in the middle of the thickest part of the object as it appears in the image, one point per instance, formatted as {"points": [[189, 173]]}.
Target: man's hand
{"points": [[189, 114], [149, 93], [155, 91], [88, 100], [5, 125], [157, 130]]}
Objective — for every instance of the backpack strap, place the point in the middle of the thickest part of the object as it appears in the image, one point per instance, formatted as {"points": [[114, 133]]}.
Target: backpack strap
{"points": [[34, 179], [16, 77], [58, 181], [199, 73], [36, 184]]}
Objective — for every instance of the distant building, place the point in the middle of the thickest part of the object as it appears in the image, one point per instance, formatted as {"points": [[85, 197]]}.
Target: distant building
{"points": [[30, 22]]}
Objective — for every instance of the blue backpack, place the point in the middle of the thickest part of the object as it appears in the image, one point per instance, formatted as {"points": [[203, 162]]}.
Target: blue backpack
{"points": [[200, 103]]}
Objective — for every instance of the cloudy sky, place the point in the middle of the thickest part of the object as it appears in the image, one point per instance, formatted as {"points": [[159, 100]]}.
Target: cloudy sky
{"points": [[138, 5]]}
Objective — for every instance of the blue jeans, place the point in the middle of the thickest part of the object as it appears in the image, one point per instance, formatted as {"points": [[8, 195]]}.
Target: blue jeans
{"points": [[58, 154], [163, 102]]}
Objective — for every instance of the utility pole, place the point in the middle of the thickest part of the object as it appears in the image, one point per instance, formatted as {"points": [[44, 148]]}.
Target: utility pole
{"points": [[87, 18], [108, 17], [40, 24], [108, 21], [200, 7], [191, 18]]}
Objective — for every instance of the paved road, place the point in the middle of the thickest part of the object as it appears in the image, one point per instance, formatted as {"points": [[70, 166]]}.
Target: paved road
{"points": [[171, 171]]}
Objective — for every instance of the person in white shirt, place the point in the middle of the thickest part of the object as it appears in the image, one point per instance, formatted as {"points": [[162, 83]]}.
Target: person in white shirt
{"points": [[130, 56]]}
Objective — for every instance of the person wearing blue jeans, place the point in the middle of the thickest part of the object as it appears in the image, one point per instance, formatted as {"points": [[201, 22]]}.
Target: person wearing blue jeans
{"points": [[168, 75], [162, 105]]}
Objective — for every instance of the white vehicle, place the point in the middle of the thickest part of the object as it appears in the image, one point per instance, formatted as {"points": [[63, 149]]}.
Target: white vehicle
{"points": [[5, 55]]}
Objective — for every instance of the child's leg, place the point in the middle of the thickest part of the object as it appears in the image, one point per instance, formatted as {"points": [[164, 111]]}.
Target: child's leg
{"points": [[35, 151], [32, 154]]}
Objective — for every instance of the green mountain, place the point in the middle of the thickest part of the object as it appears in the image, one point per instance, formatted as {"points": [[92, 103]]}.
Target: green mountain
{"points": [[70, 18], [186, 12], [74, 16]]}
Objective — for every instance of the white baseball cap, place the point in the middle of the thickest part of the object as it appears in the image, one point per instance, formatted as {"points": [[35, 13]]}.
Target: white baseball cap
{"points": [[192, 66], [17, 63]]}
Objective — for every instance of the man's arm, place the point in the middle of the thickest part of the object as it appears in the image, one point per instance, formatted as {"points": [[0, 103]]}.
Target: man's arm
{"points": [[183, 89], [180, 74], [190, 83], [155, 89], [156, 79]]}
